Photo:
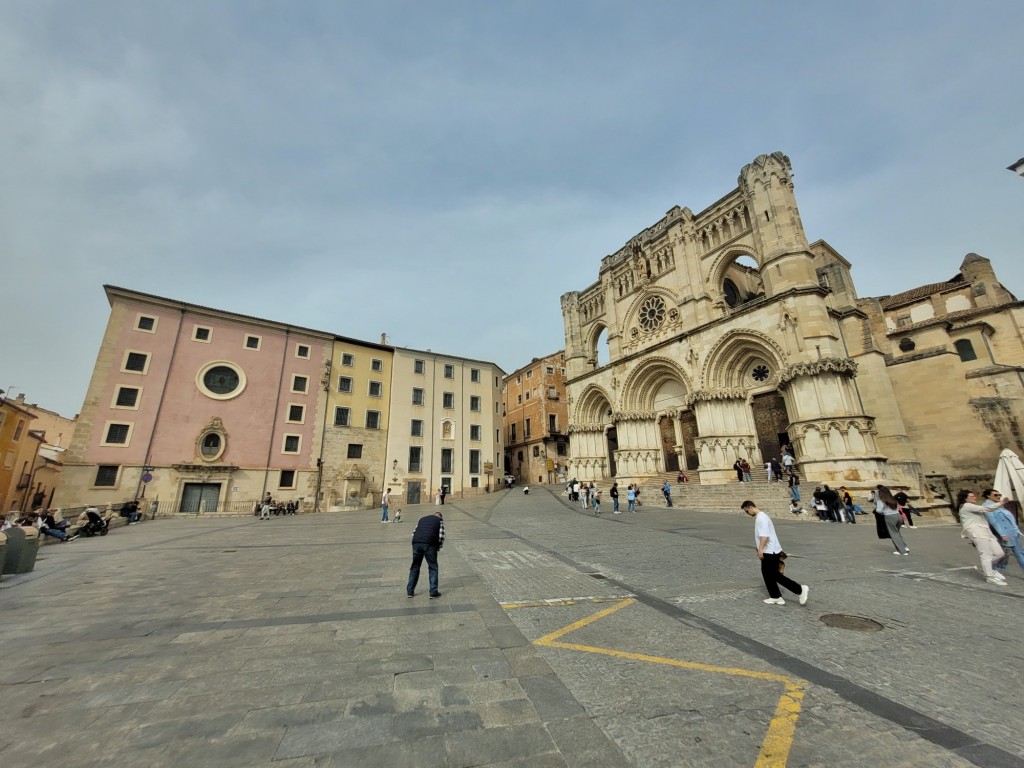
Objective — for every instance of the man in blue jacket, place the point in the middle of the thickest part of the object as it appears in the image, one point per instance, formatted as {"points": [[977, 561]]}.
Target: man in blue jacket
{"points": [[427, 540]]}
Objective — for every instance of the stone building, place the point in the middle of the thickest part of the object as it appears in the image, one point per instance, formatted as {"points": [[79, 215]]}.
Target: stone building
{"points": [[729, 334], [536, 420]]}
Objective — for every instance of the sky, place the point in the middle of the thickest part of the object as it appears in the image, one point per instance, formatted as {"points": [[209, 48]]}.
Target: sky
{"points": [[443, 172]]}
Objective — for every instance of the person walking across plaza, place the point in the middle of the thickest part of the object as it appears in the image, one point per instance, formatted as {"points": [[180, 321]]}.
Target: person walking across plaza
{"points": [[614, 493], [385, 502], [631, 498], [887, 506], [769, 552], [975, 528], [595, 500], [667, 490], [427, 541]]}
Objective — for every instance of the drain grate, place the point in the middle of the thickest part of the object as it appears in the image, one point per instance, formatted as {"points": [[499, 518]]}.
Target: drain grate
{"points": [[845, 621]]}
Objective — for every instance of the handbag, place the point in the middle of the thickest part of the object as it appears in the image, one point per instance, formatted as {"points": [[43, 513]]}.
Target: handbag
{"points": [[782, 562]]}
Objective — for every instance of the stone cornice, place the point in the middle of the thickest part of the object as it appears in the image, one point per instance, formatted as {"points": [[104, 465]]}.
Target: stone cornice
{"points": [[839, 365]]}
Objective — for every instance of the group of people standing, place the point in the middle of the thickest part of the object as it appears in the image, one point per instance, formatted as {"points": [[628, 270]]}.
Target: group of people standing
{"points": [[992, 531]]}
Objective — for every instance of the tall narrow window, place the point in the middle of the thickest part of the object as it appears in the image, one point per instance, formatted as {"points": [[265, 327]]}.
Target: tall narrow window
{"points": [[965, 349], [447, 456]]}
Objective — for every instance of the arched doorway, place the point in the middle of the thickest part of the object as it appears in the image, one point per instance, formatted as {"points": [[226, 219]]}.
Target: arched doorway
{"points": [[612, 439], [667, 433], [770, 422]]}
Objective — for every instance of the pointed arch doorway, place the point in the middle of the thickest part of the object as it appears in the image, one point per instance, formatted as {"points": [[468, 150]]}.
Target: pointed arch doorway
{"points": [[612, 439], [771, 421]]}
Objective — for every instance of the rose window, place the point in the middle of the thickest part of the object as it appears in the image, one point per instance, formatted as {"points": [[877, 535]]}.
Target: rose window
{"points": [[652, 313], [760, 372]]}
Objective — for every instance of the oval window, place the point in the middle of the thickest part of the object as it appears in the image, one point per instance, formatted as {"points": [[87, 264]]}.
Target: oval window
{"points": [[210, 445], [221, 380]]}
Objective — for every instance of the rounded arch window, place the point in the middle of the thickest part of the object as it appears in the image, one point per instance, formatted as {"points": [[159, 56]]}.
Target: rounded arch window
{"points": [[221, 380], [731, 292], [652, 313], [211, 446]]}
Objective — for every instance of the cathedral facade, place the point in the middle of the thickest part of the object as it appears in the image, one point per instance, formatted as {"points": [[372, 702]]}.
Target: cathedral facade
{"points": [[729, 335]]}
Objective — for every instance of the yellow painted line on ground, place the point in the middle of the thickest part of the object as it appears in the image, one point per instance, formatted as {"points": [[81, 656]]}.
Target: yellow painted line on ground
{"points": [[561, 601], [782, 728]]}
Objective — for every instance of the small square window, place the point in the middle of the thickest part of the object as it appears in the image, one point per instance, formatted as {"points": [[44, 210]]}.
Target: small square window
{"points": [[375, 389], [200, 333], [292, 443], [417, 396], [549, 370], [355, 450], [296, 413], [376, 365], [474, 375], [106, 475], [474, 403], [347, 360], [344, 384], [474, 482], [342, 416], [449, 371], [127, 397], [287, 479], [117, 434], [300, 384], [253, 342], [448, 400], [302, 350], [418, 366], [373, 419], [136, 362], [146, 323], [416, 428]]}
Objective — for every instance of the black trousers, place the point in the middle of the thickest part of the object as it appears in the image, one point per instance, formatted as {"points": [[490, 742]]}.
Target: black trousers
{"points": [[773, 579]]}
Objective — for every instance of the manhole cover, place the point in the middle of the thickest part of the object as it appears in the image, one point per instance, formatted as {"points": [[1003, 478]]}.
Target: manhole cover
{"points": [[844, 621]]}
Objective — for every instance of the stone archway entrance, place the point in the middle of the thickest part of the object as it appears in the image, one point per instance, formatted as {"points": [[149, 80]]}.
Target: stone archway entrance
{"points": [[689, 434], [613, 445], [771, 422]]}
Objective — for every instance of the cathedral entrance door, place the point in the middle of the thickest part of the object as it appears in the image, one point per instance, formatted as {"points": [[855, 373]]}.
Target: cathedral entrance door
{"points": [[688, 428], [613, 446], [668, 444], [771, 422]]}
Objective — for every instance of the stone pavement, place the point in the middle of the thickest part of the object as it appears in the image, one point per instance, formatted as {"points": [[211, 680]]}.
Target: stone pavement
{"points": [[560, 639]]}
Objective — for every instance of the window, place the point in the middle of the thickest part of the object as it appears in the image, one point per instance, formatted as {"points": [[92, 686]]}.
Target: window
{"points": [[375, 388], [302, 350], [9, 458], [903, 321], [474, 462], [418, 366], [497, 435], [145, 323], [292, 443], [416, 428], [519, 399], [376, 365], [549, 370], [211, 446], [552, 422], [536, 451], [417, 396], [474, 482], [519, 379], [513, 434], [449, 371], [474, 403], [3, 417], [287, 479], [253, 342], [527, 394], [117, 434], [373, 419], [347, 360], [526, 428], [965, 349], [300, 384], [18, 430], [220, 381], [355, 450], [562, 449], [342, 416], [135, 362], [127, 397], [415, 458], [296, 413], [200, 333], [448, 400], [474, 375], [447, 456], [344, 384], [474, 432], [106, 475]]}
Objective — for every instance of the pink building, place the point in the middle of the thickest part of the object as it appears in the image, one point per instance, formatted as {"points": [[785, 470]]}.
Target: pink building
{"points": [[198, 409]]}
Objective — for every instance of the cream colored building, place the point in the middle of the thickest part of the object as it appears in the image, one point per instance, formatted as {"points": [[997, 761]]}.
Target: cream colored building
{"points": [[445, 427], [729, 334]]}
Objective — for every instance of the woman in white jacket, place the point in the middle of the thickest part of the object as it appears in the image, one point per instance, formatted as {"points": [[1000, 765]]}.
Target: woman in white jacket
{"points": [[974, 527]]}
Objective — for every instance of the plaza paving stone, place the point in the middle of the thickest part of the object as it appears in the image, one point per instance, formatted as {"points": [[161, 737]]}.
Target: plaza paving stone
{"points": [[226, 641]]}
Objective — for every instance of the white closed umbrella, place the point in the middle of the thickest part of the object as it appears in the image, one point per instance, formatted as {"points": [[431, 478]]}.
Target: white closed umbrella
{"points": [[1010, 476]]}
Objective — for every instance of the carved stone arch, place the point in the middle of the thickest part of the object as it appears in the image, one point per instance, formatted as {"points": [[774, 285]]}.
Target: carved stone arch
{"points": [[632, 319], [729, 360], [643, 383], [724, 260], [593, 339], [592, 406]]}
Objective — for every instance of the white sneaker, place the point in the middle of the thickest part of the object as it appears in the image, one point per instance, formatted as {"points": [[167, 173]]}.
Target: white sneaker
{"points": [[804, 592], [999, 576], [896, 552], [999, 582], [775, 601]]}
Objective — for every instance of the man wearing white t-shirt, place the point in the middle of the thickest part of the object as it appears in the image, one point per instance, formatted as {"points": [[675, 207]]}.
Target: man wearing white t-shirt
{"points": [[769, 552]]}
